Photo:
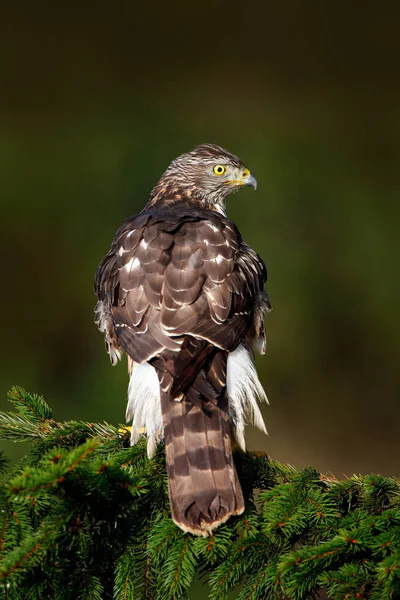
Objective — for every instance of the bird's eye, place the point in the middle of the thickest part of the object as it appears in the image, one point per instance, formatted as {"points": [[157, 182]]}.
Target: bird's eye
{"points": [[219, 169]]}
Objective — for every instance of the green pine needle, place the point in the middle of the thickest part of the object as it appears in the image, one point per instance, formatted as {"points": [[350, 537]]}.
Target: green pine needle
{"points": [[84, 515]]}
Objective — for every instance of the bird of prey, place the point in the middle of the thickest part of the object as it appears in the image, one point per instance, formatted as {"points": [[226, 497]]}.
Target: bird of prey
{"points": [[183, 295]]}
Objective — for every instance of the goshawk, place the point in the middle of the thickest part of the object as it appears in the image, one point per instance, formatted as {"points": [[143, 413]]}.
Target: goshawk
{"points": [[183, 295]]}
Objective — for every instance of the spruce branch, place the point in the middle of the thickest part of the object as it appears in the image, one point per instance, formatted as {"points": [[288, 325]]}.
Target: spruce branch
{"points": [[84, 515], [32, 406]]}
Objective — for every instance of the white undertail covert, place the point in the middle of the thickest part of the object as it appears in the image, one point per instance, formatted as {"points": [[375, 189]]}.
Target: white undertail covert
{"points": [[244, 389], [243, 386]]}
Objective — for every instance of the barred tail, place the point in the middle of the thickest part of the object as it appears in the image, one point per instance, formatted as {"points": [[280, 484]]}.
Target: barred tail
{"points": [[203, 484]]}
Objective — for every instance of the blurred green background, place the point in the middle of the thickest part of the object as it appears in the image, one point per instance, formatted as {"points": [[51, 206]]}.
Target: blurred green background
{"points": [[96, 101]]}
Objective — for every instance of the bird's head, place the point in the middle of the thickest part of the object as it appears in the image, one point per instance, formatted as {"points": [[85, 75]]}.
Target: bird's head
{"points": [[207, 174]]}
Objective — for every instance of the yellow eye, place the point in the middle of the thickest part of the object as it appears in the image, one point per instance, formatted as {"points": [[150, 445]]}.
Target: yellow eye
{"points": [[219, 169]]}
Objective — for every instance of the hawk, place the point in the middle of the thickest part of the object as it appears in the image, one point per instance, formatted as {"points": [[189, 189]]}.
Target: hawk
{"points": [[183, 295]]}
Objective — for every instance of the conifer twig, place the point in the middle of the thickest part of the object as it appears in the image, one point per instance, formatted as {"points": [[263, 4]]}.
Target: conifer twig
{"points": [[83, 507]]}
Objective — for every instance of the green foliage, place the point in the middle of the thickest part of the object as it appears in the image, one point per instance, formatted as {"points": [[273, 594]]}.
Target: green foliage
{"points": [[84, 515]]}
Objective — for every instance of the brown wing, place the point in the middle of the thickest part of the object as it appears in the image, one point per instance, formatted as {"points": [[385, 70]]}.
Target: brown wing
{"points": [[180, 289], [177, 272]]}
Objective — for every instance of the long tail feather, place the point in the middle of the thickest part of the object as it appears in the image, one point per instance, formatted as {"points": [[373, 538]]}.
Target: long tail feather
{"points": [[203, 484]]}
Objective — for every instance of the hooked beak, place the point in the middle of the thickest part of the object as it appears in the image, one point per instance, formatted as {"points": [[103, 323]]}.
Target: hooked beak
{"points": [[250, 180], [244, 178]]}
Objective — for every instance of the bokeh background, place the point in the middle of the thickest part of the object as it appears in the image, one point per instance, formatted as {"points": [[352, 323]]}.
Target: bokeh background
{"points": [[96, 99]]}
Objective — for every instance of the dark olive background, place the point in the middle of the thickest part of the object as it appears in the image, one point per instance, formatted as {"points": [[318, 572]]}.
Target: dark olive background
{"points": [[96, 100]]}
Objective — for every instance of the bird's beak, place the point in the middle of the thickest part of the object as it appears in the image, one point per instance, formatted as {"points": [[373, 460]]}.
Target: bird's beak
{"points": [[244, 178], [250, 181]]}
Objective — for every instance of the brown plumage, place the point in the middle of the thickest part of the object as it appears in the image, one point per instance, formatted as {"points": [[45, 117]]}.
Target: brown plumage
{"points": [[180, 292]]}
